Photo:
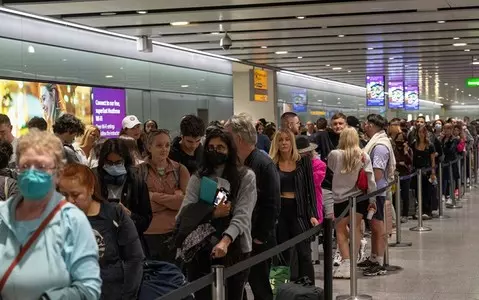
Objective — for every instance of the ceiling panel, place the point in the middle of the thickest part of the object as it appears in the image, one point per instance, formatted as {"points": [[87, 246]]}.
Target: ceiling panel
{"points": [[411, 39]]}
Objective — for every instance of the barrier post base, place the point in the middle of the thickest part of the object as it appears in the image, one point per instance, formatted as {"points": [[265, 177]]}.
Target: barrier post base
{"points": [[454, 206], [358, 297], [400, 245], [443, 217], [391, 268], [420, 229]]}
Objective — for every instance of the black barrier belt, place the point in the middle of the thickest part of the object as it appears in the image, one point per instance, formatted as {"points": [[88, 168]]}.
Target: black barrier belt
{"points": [[248, 263], [190, 288], [375, 193], [406, 177], [451, 162]]}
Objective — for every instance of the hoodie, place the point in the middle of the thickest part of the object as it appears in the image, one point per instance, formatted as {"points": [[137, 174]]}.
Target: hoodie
{"points": [[192, 163], [319, 172]]}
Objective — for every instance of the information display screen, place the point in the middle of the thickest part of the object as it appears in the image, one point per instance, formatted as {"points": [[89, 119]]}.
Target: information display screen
{"points": [[396, 94], [411, 98], [375, 90], [109, 109], [299, 98]]}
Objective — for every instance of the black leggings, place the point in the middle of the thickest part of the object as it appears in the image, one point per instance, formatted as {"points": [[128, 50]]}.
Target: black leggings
{"points": [[405, 187], [288, 227]]}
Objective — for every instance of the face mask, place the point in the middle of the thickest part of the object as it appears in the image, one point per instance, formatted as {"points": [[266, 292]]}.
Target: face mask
{"points": [[34, 184], [115, 170], [216, 158], [438, 126]]}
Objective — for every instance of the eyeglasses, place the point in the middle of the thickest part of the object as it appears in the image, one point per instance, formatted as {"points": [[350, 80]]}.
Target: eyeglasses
{"points": [[114, 163], [39, 167], [219, 148]]}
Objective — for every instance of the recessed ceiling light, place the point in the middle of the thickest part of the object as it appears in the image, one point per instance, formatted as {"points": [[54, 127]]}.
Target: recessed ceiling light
{"points": [[337, 68], [142, 12], [459, 44], [349, 71], [370, 48], [441, 22], [108, 76], [215, 33], [341, 35], [108, 14], [31, 49], [264, 47], [339, 98], [320, 100], [456, 38], [467, 50], [179, 23], [301, 17], [281, 52], [457, 89], [462, 92], [475, 62], [470, 95], [299, 57], [328, 65], [184, 85], [446, 83]]}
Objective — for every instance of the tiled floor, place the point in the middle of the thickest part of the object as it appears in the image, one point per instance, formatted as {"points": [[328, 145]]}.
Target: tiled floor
{"points": [[442, 264]]}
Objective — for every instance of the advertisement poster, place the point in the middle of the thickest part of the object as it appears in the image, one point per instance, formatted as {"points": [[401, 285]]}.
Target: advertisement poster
{"points": [[299, 98], [375, 91], [396, 94], [411, 98], [23, 100], [109, 109]]}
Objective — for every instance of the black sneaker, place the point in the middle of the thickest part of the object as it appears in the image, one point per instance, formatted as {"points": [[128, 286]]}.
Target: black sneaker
{"points": [[367, 263], [376, 270]]}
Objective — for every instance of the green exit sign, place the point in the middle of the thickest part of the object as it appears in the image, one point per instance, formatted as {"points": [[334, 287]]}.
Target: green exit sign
{"points": [[472, 82]]}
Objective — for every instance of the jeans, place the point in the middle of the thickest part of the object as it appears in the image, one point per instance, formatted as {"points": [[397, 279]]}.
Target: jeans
{"points": [[288, 227]]}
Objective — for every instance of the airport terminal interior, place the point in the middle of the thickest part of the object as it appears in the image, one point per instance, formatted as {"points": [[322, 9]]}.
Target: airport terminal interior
{"points": [[412, 63]]}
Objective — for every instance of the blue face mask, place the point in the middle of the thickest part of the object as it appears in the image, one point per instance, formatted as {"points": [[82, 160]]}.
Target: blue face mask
{"points": [[115, 170], [35, 184]]}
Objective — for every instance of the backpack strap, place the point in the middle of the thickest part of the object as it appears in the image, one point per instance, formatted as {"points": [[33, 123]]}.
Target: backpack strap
{"points": [[5, 189], [30, 242]]}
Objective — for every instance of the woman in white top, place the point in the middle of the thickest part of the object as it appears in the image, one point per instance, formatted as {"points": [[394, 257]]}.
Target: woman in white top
{"points": [[346, 162]]}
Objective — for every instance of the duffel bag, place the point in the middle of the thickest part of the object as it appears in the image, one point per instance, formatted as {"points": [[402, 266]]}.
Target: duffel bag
{"points": [[302, 289]]}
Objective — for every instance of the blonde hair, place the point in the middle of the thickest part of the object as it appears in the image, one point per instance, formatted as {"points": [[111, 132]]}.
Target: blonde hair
{"points": [[349, 144], [274, 150], [44, 142], [84, 138]]}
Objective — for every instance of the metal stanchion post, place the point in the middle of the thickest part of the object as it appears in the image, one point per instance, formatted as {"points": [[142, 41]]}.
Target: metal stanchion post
{"points": [[353, 282], [398, 242], [476, 166], [419, 226], [464, 176], [386, 264], [219, 285], [441, 205], [328, 258], [454, 204]]}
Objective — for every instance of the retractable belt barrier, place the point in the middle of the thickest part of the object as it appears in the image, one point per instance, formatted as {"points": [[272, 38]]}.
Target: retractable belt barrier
{"points": [[213, 278]]}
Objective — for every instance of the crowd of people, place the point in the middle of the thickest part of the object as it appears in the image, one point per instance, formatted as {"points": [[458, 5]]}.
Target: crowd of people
{"points": [[87, 211]]}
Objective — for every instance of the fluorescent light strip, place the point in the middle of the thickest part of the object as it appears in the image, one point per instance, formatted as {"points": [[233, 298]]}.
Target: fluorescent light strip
{"points": [[431, 102], [363, 89], [105, 32]]}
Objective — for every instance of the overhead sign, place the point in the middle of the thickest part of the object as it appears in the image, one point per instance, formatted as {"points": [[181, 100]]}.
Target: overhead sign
{"points": [[472, 82], [411, 98], [260, 85], [375, 91], [396, 94], [299, 97]]}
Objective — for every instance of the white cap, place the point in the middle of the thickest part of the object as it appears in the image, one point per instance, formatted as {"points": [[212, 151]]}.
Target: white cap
{"points": [[130, 122]]}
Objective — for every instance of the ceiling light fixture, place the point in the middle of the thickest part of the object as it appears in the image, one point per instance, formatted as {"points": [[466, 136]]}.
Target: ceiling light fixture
{"points": [[341, 35], [281, 52], [215, 33], [184, 85], [370, 48], [467, 50], [457, 89], [459, 44], [301, 17], [142, 12], [337, 68], [108, 76], [475, 62], [299, 57], [179, 23], [391, 58], [470, 95], [320, 100], [264, 47], [456, 38], [108, 14], [446, 83], [31, 49], [349, 71], [328, 65], [441, 22]]}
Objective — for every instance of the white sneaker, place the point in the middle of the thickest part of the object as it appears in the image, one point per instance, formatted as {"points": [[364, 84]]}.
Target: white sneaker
{"points": [[362, 250], [435, 213], [337, 258], [448, 201], [343, 271]]}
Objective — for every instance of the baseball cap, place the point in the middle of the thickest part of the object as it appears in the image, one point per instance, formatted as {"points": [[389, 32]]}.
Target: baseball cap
{"points": [[130, 122]]}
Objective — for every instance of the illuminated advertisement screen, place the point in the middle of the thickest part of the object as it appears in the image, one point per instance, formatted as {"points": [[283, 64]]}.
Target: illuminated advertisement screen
{"points": [[299, 97], [411, 97], [23, 100], [375, 90], [396, 94], [109, 109]]}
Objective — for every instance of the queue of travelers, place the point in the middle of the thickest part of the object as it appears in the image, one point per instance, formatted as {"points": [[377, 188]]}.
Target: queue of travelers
{"points": [[215, 194]]}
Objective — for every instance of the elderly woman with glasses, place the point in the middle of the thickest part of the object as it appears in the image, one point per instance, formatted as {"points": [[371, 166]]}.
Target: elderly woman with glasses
{"points": [[49, 238]]}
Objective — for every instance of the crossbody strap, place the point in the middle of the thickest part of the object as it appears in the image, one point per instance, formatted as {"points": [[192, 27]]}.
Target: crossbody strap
{"points": [[31, 240]]}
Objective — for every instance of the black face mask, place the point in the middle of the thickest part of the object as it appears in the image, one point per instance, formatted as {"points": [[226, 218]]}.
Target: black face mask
{"points": [[216, 158]]}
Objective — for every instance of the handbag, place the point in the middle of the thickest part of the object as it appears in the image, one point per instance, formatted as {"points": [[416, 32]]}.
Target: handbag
{"points": [[362, 182], [29, 243], [279, 275]]}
